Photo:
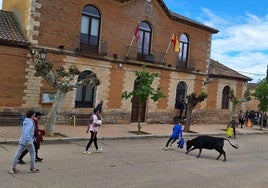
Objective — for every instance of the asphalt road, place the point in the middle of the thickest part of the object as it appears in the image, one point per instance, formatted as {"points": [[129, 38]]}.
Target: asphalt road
{"points": [[141, 163]]}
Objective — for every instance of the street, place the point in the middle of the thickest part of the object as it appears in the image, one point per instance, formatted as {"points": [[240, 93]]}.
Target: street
{"points": [[136, 163]]}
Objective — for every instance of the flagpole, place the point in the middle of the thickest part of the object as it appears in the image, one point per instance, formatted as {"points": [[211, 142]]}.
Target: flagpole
{"points": [[136, 35], [164, 58], [130, 45]]}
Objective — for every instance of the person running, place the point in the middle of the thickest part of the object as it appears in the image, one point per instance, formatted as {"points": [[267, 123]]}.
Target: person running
{"points": [[176, 133], [26, 142], [93, 129]]}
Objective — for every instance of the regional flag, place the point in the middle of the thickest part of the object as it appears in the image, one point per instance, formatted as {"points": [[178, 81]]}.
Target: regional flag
{"points": [[175, 42], [137, 32]]}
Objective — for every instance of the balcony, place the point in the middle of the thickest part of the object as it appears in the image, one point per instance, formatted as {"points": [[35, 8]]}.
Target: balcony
{"points": [[152, 57], [186, 65], [87, 49]]}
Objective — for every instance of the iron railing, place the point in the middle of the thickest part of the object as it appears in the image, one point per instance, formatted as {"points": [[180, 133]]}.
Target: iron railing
{"points": [[102, 49], [153, 57]]}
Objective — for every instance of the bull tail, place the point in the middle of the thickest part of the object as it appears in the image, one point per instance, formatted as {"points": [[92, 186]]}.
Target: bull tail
{"points": [[235, 146]]}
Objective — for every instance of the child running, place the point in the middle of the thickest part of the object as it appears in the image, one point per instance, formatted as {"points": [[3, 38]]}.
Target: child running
{"points": [[176, 133]]}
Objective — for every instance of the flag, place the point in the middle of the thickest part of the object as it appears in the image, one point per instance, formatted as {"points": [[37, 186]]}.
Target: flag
{"points": [[137, 32], [175, 42]]}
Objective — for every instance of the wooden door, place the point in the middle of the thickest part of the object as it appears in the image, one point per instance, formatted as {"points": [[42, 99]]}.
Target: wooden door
{"points": [[136, 104]]}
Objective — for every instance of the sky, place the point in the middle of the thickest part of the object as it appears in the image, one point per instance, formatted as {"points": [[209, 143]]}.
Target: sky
{"points": [[242, 41]]}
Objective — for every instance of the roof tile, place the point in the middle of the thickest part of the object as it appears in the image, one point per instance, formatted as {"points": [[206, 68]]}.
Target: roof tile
{"points": [[218, 69], [10, 31]]}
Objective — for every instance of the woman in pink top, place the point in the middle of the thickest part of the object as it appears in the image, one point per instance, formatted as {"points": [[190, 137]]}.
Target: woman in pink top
{"points": [[93, 129]]}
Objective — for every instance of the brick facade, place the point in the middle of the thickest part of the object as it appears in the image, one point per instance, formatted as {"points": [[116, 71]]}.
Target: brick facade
{"points": [[51, 24]]}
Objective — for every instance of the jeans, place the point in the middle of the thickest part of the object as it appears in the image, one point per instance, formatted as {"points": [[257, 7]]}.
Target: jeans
{"points": [[21, 148]]}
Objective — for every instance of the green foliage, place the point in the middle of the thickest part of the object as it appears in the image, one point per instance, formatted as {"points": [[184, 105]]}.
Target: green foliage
{"points": [[144, 90], [63, 81], [42, 68], [261, 93], [194, 99], [235, 100], [144, 80]]}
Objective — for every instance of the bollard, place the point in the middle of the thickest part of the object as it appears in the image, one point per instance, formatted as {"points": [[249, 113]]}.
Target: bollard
{"points": [[73, 120]]}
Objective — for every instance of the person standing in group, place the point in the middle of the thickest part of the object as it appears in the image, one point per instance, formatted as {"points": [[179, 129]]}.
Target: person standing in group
{"points": [[241, 119], [176, 133], [264, 120], [38, 137], [99, 108], [93, 129], [26, 142], [181, 107], [233, 124]]}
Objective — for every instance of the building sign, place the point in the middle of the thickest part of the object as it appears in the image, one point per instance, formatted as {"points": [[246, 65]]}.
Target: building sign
{"points": [[48, 97]]}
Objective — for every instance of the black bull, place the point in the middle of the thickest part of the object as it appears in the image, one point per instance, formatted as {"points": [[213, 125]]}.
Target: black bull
{"points": [[207, 142]]}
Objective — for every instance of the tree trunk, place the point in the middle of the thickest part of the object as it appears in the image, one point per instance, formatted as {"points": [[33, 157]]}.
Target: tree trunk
{"points": [[232, 113], [261, 125], [53, 113], [139, 120], [188, 118]]}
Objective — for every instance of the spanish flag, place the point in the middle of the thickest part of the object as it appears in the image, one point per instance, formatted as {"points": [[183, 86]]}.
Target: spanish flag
{"points": [[175, 42]]}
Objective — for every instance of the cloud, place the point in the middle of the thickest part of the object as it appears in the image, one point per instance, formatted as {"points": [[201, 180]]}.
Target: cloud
{"points": [[241, 43]]}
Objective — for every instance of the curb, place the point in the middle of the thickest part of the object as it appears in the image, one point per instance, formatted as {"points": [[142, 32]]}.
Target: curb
{"points": [[70, 139]]}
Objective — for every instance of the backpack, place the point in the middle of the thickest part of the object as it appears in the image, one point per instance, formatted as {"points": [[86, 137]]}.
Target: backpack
{"points": [[181, 143]]}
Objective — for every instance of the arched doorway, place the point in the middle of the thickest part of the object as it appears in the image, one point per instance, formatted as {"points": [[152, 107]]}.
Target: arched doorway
{"points": [[84, 94], [181, 94], [225, 98]]}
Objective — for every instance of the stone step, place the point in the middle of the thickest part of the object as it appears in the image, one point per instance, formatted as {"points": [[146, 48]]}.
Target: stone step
{"points": [[9, 118]]}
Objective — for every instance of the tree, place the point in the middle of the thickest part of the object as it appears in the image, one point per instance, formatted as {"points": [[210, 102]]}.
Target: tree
{"points": [[144, 80], [261, 94], [192, 100], [236, 101], [62, 81]]}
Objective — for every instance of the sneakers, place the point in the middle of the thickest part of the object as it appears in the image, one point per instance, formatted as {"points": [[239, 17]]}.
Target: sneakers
{"points": [[37, 159], [34, 170], [86, 152], [165, 148], [21, 162], [99, 150], [13, 171]]}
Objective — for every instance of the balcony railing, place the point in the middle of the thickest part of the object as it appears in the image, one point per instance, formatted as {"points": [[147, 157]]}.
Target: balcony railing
{"points": [[86, 48], [189, 65], [152, 57]]}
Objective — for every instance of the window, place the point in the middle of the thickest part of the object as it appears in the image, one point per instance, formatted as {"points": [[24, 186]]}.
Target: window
{"points": [[144, 43], [90, 27], [84, 94], [180, 93], [183, 54], [225, 98]]}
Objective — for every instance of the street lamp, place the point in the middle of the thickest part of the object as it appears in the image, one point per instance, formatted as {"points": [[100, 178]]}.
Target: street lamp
{"points": [[209, 79], [42, 54]]}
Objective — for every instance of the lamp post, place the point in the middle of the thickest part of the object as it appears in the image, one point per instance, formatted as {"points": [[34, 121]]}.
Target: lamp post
{"points": [[42, 54], [209, 79]]}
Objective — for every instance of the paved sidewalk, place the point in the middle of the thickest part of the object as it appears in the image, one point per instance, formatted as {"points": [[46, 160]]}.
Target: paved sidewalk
{"points": [[11, 134]]}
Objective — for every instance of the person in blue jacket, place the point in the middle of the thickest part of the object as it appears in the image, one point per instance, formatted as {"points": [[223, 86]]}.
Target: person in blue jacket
{"points": [[176, 133], [26, 142]]}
